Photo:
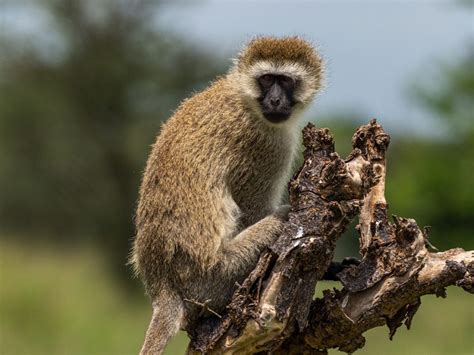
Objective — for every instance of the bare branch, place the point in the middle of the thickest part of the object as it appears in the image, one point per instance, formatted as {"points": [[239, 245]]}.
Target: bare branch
{"points": [[273, 310], [397, 269]]}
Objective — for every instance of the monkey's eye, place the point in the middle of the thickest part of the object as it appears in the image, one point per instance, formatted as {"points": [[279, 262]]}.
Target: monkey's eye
{"points": [[266, 80], [287, 82]]}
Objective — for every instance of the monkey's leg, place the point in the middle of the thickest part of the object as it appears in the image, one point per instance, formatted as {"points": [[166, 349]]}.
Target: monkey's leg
{"points": [[242, 252], [237, 258]]}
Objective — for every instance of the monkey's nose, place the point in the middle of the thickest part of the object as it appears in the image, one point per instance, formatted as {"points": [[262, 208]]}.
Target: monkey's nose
{"points": [[275, 102]]}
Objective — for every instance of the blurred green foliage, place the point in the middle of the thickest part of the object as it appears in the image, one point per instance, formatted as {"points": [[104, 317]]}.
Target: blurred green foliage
{"points": [[58, 301], [76, 124], [430, 180], [79, 109], [77, 119]]}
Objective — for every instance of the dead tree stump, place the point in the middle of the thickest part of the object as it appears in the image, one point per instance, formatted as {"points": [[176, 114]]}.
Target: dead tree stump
{"points": [[273, 311]]}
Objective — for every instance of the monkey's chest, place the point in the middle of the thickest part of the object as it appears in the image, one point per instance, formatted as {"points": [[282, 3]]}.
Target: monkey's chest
{"points": [[257, 183]]}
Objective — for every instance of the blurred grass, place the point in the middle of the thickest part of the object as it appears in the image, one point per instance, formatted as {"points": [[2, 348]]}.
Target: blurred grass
{"points": [[56, 301]]}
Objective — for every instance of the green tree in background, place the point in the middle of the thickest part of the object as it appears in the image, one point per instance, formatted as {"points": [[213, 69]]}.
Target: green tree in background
{"points": [[432, 180], [429, 179], [76, 122], [451, 99], [81, 102]]}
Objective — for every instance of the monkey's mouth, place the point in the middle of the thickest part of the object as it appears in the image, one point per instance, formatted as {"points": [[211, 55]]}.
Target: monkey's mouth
{"points": [[277, 116]]}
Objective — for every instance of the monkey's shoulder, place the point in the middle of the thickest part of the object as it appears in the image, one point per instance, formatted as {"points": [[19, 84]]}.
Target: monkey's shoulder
{"points": [[210, 105]]}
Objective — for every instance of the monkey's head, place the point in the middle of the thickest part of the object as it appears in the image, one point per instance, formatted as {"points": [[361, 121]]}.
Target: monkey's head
{"points": [[278, 76]]}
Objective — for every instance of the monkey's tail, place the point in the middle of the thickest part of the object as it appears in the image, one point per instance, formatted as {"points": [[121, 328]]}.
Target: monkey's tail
{"points": [[168, 311]]}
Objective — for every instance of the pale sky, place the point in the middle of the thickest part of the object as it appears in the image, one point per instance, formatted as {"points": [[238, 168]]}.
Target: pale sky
{"points": [[374, 49]]}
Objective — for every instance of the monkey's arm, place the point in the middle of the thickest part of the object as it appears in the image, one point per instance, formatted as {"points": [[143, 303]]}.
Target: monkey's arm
{"points": [[240, 254], [249, 244]]}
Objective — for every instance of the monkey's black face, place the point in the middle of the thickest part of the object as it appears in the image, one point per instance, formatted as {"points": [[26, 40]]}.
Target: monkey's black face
{"points": [[277, 99]]}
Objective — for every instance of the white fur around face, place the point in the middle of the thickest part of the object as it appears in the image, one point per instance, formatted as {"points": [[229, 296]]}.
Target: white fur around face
{"points": [[307, 84]]}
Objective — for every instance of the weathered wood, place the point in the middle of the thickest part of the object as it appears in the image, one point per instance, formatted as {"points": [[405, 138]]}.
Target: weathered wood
{"points": [[273, 310]]}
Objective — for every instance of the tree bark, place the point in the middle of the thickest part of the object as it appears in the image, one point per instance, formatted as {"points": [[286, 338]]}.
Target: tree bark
{"points": [[273, 311]]}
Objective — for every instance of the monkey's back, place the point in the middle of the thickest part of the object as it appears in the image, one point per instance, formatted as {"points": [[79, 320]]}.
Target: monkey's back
{"points": [[208, 176]]}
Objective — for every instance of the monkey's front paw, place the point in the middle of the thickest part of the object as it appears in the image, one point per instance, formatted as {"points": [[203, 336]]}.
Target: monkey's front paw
{"points": [[282, 212]]}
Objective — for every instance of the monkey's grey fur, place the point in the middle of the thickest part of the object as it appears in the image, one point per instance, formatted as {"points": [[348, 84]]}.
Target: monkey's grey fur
{"points": [[209, 200]]}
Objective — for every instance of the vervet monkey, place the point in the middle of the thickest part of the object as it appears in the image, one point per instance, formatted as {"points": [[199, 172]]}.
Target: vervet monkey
{"points": [[210, 196]]}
